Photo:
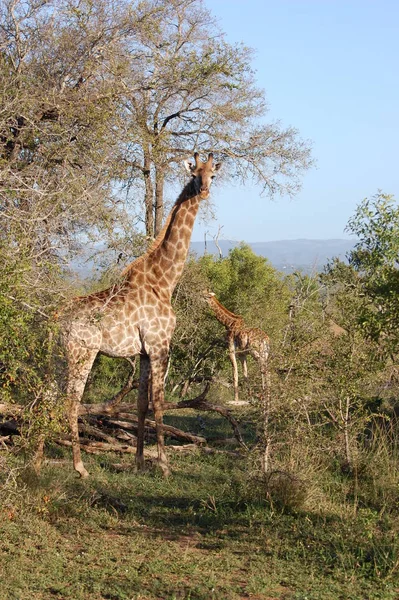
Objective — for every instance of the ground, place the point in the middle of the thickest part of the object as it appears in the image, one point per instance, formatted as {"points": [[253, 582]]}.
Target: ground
{"points": [[201, 534]]}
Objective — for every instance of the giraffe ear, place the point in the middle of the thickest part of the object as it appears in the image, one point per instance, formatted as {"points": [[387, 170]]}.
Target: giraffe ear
{"points": [[189, 166], [217, 166]]}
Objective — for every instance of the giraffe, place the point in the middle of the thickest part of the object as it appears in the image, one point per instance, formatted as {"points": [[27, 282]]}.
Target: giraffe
{"points": [[135, 316], [241, 340]]}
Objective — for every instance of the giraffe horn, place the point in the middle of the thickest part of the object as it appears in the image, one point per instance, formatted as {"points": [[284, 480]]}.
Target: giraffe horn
{"points": [[197, 159], [210, 158]]}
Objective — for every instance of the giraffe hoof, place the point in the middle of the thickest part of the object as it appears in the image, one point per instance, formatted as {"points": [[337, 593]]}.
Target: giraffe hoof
{"points": [[140, 465], [83, 473], [166, 472]]}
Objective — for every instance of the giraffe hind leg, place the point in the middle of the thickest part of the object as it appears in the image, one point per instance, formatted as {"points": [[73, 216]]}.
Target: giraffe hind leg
{"points": [[142, 409], [232, 356], [77, 377], [158, 370]]}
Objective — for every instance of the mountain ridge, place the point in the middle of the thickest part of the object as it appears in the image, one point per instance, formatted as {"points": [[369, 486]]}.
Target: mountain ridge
{"points": [[287, 255]]}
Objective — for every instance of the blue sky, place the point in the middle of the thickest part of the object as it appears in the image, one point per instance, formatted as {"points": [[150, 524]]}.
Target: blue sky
{"points": [[330, 69]]}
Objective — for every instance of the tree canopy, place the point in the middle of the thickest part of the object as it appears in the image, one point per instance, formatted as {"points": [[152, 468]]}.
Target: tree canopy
{"points": [[101, 100]]}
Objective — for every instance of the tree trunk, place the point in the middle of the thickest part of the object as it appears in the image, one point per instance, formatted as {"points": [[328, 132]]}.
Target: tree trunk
{"points": [[149, 196], [159, 204]]}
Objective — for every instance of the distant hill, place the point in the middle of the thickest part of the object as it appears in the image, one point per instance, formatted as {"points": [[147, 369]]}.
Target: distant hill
{"points": [[287, 255]]}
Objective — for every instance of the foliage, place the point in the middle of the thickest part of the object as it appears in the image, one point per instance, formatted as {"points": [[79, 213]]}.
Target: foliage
{"points": [[375, 259], [246, 284], [328, 501], [98, 99], [196, 344]]}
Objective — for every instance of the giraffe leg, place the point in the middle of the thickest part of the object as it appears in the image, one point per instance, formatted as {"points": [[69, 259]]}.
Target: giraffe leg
{"points": [[232, 355], [142, 408], [244, 367], [158, 370], [243, 360], [258, 358], [77, 377]]}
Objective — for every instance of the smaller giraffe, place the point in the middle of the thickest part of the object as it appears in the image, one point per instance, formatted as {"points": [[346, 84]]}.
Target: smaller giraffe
{"points": [[242, 341]]}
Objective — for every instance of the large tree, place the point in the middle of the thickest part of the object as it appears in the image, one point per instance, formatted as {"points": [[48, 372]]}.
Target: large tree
{"points": [[59, 106], [57, 161], [187, 88]]}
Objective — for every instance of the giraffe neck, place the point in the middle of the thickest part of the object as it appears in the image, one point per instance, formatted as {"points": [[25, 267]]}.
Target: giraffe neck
{"points": [[223, 315], [163, 263]]}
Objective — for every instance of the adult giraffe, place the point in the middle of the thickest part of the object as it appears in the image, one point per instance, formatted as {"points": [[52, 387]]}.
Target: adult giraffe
{"points": [[136, 316], [241, 340]]}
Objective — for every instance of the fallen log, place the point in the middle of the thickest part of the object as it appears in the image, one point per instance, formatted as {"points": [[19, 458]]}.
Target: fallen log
{"points": [[105, 409], [200, 403], [129, 421], [125, 435], [99, 447], [97, 433], [117, 414]]}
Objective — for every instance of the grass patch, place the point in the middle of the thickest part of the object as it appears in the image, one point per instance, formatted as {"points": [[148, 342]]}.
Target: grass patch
{"points": [[206, 532]]}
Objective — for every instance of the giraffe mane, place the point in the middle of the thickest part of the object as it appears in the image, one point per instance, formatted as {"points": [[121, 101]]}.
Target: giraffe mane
{"points": [[226, 310], [152, 247], [161, 235]]}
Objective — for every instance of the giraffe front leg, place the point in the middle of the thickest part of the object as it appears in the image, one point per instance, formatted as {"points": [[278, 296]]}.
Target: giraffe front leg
{"points": [[73, 415], [244, 365], [142, 408], [158, 370], [232, 356], [79, 370]]}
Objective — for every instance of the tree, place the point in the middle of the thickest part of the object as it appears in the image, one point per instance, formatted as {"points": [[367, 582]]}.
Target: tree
{"points": [[96, 95], [58, 164], [188, 89], [363, 299], [372, 276]]}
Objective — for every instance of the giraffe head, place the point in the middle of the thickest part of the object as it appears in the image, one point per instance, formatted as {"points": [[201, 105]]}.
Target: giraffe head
{"points": [[207, 294], [202, 173]]}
